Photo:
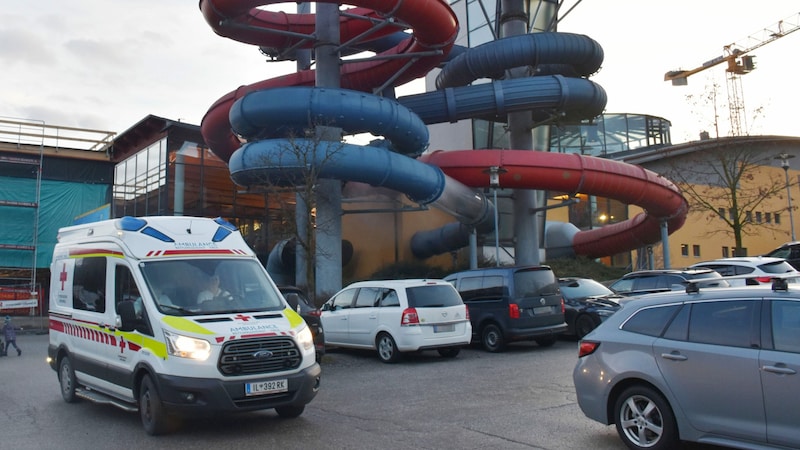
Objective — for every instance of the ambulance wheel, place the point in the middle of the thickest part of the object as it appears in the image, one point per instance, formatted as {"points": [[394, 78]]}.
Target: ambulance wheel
{"points": [[66, 378], [290, 412], [151, 410]]}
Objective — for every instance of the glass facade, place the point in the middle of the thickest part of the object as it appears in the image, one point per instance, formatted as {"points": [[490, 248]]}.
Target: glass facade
{"points": [[188, 179], [601, 136]]}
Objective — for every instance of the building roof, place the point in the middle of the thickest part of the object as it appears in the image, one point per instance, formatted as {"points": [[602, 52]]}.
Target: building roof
{"points": [[649, 154]]}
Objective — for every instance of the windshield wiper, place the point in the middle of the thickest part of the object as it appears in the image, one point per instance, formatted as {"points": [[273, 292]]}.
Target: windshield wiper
{"points": [[187, 312]]}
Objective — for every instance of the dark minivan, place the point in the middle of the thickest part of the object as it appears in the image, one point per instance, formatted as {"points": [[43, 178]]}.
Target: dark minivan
{"points": [[509, 304]]}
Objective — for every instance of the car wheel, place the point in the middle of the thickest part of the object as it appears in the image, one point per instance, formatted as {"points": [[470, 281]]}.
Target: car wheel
{"points": [[151, 410], [548, 341], [66, 378], [387, 349], [492, 339], [449, 352], [644, 420], [583, 325], [290, 411]]}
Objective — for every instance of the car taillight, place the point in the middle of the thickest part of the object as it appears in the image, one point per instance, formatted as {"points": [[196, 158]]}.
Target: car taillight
{"points": [[764, 280], [315, 313], [513, 311], [467, 310], [563, 307], [587, 348], [409, 317]]}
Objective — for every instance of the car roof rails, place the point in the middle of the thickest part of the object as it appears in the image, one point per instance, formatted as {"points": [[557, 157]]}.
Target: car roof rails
{"points": [[693, 286], [779, 283]]}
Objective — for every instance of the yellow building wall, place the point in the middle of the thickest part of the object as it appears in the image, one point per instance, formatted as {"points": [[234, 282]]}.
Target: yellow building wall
{"points": [[705, 232], [383, 238]]}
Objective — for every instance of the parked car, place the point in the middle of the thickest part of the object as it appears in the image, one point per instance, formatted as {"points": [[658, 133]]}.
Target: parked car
{"points": [[704, 365], [659, 280], [299, 301], [587, 304], [737, 271], [397, 316], [789, 251], [509, 304]]}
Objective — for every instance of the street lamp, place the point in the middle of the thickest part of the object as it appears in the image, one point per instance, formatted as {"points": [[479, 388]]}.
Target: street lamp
{"points": [[494, 182], [784, 157]]}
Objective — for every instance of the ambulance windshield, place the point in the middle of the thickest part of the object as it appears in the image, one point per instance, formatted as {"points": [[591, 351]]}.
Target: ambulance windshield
{"points": [[210, 286]]}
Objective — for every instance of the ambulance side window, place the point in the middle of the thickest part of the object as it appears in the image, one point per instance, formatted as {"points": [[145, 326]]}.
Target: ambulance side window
{"points": [[127, 291], [88, 287]]}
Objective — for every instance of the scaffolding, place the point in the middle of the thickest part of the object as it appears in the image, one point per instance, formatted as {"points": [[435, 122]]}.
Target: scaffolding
{"points": [[24, 144]]}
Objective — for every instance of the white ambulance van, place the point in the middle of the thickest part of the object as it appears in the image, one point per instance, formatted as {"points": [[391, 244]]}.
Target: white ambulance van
{"points": [[174, 316]]}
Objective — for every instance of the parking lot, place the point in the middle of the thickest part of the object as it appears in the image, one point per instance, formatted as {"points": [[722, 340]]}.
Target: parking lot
{"points": [[523, 398]]}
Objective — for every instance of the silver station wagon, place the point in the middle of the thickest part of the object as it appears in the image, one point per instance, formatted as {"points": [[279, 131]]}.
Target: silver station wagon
{"points": [[714, 366]]}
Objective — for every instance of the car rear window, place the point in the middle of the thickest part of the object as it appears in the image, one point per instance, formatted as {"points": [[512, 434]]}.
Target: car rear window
{"points": [[714, 279], [432, 296], [777, 267], [529, 283]]}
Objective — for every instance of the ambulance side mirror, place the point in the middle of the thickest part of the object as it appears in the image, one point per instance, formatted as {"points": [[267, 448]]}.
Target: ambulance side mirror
{"points": [[126, 316]]}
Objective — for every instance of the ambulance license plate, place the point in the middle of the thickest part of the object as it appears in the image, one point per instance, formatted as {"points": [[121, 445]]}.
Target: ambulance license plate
{"points": [[266, 387]]}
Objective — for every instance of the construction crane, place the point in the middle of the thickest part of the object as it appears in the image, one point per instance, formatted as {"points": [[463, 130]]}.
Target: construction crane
{"points": [[738, 63]]}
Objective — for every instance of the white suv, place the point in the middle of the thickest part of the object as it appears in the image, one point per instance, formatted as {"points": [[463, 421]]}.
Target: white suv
{"points": [[755, 270], [394, 316]]}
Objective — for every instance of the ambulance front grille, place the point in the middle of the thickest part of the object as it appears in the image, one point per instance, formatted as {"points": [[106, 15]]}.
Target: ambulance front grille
{"points": [[259, 355]]}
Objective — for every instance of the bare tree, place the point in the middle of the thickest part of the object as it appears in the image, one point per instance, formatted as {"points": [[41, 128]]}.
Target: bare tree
{"points": [[288, 171], [728, 183]]}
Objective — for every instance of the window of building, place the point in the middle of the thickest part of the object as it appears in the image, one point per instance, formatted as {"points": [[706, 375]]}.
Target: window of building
{"points": [[696, 251], [721, 213], [684, 249], [725, 252], [748, 216], [731, 215], [138, 181], [758, 217], [777, 217], [768, 217]]}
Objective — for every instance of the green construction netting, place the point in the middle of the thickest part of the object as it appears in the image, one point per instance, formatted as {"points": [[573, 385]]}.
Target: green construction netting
{"points": [[61, 203]]}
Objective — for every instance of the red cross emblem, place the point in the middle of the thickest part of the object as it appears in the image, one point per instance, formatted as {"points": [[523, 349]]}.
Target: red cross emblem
{"points": [[63, 276], [242, 317], [121, 344]]}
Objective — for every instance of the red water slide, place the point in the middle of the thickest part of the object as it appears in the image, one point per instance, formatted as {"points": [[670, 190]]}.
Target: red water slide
{"points": [[573, 173], [435, 28], [434, 25]]}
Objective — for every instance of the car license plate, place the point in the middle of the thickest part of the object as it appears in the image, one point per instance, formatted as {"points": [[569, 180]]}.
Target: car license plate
{"points": [[444, 328], [543, 310], [266, 387]]}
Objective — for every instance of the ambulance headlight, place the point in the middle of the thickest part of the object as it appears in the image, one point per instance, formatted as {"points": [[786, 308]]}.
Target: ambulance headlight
{"points": [[187, 347], [305, 339]]}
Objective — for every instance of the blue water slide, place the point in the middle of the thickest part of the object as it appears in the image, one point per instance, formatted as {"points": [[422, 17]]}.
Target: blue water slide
{"points": [[260, 116], [266, 117]]}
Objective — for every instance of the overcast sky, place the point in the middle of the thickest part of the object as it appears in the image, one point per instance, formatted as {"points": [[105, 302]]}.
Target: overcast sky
{"points": [[106, 64]]}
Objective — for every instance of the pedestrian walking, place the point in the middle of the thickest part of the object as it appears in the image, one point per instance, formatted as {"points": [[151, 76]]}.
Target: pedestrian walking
{"points": [[11, 335]]}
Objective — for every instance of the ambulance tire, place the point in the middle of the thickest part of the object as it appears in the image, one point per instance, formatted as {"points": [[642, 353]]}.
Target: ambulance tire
{"points": [[154, 417], [290, 411], [66, 378]]}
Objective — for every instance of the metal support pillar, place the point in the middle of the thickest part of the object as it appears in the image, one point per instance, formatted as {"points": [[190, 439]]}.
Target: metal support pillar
{"points": [[328, 254], [665, 243]]}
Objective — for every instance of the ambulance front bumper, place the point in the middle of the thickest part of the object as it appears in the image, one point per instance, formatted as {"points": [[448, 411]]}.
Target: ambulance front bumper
{"points": [[203, 396]]}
